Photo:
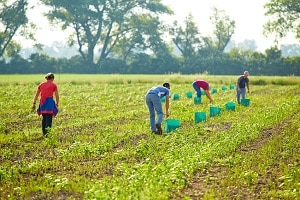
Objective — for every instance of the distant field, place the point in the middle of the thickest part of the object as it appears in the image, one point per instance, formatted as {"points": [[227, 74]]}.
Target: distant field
{"points": [[175, 78], [101, 146]]}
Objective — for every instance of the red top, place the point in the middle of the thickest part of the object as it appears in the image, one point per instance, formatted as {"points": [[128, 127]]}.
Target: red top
{"points": [[202, 84], [47, 89]]}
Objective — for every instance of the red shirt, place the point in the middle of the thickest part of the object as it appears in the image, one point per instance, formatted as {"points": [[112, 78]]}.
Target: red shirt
{"points": [[202, 84], [47, 89]]}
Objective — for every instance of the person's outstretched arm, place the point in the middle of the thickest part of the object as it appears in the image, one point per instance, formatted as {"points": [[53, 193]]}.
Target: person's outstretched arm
{"points": [[208, 96], [167, 105]]}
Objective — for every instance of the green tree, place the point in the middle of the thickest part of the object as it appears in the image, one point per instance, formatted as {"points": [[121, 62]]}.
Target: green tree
{"points": [[256, 62], [285, 15], [113, 66], [187, 37], [18, 65], [141, 64], [42, 63], [292, 65], [210, 57], [146, 36], [274, 61], [224, 29], [101, 25], [12, 18]]}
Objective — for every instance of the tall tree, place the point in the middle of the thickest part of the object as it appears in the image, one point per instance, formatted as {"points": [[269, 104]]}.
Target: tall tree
{"points": [[274, 61], [187, 37], [146, 36], [285, 17], [224, 29], [12, 18], [211, 55], [99, 25]]}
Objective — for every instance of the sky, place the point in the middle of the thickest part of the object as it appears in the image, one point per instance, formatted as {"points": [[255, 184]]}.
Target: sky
{"points": [[248, 15]]}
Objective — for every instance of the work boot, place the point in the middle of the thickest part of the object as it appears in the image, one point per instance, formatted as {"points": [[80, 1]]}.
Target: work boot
{"points": [[159, 130]]}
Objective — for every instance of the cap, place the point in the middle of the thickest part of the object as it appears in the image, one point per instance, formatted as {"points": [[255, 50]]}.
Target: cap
{"points": [[167, 85], [49, 76], [246, 73]]}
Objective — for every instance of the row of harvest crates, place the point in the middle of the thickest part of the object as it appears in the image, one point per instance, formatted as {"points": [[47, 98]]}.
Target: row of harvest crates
{"points": [[172, 124], [196, 99]]}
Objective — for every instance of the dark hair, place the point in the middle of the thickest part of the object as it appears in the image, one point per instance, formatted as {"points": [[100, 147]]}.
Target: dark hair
{"points": [[49, 76], [167, 85]]}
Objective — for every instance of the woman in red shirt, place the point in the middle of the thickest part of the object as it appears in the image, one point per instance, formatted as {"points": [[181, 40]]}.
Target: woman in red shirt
{"points": [[47, 106]]}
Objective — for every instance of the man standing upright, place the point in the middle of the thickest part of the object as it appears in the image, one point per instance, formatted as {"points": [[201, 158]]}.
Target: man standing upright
{"points": [[242, 82]]}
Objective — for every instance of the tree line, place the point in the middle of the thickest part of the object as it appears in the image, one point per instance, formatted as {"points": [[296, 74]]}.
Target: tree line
{"points": [[130, 37]]}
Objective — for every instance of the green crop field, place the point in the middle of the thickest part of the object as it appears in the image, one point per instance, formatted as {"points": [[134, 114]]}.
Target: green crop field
{"points": [[101, 146]]}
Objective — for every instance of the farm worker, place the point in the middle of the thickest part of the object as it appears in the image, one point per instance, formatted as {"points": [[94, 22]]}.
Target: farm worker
{"points": [[198, 84], [153, 101], [242, 82], [48, 108]]}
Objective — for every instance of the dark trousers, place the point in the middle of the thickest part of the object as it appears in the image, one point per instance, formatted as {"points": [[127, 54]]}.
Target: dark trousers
{"points": [[197, 89], [46, 123]]}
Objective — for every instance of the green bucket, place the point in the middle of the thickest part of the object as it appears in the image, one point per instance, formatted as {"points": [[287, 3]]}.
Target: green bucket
{"points": [[163, 99], [171, 124], [214, 90], [197, 100], [214, 111], [200, 116], [176, 96], [189, 94], [230, 106], [224, 88], [231, 87], [245, 102]]}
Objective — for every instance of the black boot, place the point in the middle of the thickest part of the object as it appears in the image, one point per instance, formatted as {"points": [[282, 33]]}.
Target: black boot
{"points": [[159, 130]]}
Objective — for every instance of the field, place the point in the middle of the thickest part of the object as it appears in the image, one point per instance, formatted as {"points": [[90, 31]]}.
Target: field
{"points": [[101, 146]]}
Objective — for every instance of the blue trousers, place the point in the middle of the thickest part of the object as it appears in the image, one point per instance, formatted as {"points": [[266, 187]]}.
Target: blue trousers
{"points": [[240, 93], [197, 89], [154, 105]]}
